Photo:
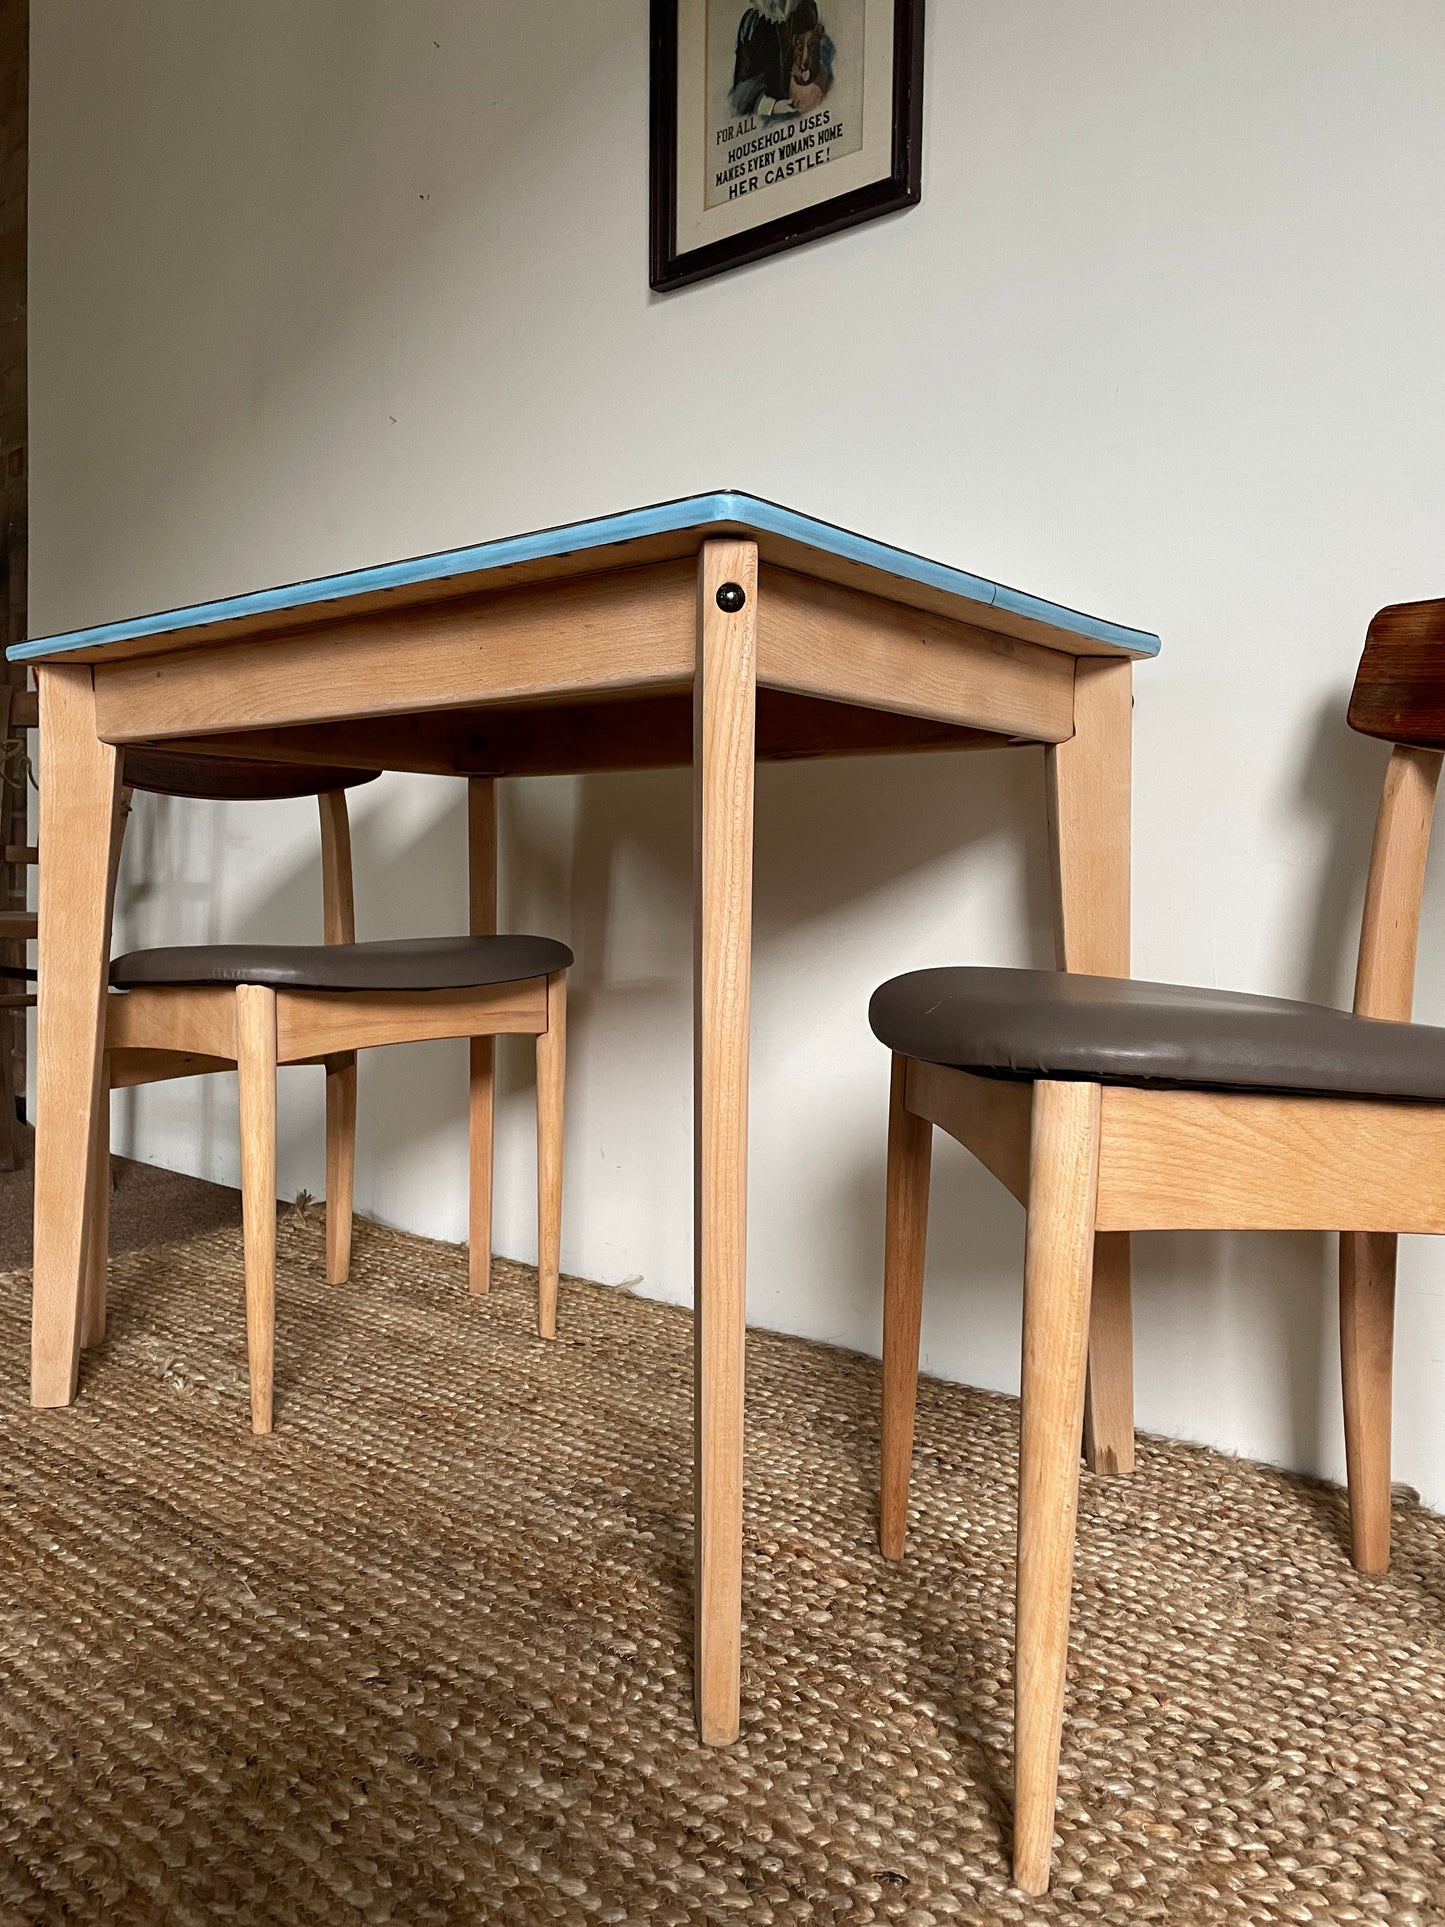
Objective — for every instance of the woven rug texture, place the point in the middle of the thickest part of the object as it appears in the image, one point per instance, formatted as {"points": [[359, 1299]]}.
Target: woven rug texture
{"points": [[423, 1655]]}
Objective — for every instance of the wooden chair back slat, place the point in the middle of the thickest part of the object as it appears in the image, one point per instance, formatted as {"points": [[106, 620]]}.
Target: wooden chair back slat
{"points": [[338, 899], [1390, 927]]}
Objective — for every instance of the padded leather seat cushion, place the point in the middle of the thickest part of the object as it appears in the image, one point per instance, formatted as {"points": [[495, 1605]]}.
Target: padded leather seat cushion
{"points": [[1113, 1030], [404, 963]]}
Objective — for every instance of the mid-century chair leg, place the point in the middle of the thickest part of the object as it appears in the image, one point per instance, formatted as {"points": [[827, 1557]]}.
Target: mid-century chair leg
{"points": [[481, 922], [1058, 1264], [256, 1068], [1109, 1395], [97, 1254], [551, 1071], [340, 1163], [480, 1132], [910, 1149], [1367, 1344]]}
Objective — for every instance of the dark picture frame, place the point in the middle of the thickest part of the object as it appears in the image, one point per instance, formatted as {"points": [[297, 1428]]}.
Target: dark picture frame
{"points": [[900, 187]]}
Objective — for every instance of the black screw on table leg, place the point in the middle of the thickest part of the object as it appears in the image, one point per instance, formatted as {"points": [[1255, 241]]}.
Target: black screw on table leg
{"points": [[731, 597]]}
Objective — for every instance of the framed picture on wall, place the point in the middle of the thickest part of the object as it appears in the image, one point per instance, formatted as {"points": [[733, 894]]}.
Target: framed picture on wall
{"points": [[775, 121]]}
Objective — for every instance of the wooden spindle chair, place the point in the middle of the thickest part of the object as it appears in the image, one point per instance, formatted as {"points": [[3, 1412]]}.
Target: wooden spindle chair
{"points": [[1106, 1105], [187, 1010]]}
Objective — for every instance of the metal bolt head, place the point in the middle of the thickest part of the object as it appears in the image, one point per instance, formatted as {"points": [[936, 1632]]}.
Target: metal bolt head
{"points": [[731, 597]]}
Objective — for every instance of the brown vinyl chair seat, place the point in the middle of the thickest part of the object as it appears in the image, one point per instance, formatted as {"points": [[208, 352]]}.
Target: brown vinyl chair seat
{"points": [[1113, 1030], [403, 963]]}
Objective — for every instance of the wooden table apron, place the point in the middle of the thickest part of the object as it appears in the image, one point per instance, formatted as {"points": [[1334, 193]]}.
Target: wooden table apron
{"points": [[581, 675]]}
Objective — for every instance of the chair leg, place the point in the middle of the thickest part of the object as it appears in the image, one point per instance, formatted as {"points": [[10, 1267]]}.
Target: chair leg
{"points": [[1063, 1188], [1367, 1344], [551, 1078], [910, 1154], [480, 1131], [97, 1255], [482, 922], [256, 1066], [340, 1163], [1109, 1393]]}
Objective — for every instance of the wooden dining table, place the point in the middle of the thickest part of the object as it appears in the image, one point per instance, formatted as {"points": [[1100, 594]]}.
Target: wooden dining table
{"points": [[714, 631]]}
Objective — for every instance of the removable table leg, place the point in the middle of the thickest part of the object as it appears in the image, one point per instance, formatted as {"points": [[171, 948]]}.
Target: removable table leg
{"points": [[724, 715], [79, 801]]}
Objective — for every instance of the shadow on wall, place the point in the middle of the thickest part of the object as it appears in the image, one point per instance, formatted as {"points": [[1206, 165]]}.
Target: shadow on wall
{"points": [[952, 852], [830, 837], [1340, 782], [177, 857], [853, 865], [1196, 1289], [172, 853], [845, 855], [606, 862]]}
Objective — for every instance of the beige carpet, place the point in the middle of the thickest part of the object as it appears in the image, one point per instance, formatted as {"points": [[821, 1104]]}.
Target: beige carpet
{"points": [[422, 1656]]}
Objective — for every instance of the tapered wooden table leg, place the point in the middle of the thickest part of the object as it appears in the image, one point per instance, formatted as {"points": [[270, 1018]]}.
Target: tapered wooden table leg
{"points": [[1089, 786], [724, 712], [79, 798]]}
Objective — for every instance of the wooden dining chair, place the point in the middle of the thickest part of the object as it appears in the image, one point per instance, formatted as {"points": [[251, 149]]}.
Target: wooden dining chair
{"points": [[187, 1010], [1106, 1105]]}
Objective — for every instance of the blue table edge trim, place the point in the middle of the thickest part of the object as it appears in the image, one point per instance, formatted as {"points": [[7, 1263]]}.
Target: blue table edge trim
{"points": [[731, 508]]}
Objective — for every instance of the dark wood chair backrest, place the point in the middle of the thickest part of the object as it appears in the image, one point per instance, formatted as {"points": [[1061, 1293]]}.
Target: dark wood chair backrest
{"points": [[1399, 691], [1399, 695], [228, 779]]}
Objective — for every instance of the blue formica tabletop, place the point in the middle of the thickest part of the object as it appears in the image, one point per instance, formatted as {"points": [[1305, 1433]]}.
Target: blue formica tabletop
{"points": [[665, 531]]}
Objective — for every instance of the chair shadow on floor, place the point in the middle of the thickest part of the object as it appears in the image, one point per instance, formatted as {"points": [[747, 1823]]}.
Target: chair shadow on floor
{"points": [[988, 1764]]}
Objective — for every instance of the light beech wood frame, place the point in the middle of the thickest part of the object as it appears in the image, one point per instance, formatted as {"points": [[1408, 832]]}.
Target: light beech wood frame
{"points": [[1092, 1163], [163, 1031], [581, 662]]}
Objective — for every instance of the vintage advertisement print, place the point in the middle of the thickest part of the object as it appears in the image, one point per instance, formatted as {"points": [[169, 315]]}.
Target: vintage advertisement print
{"points": [[784, 93], [775, 121]]}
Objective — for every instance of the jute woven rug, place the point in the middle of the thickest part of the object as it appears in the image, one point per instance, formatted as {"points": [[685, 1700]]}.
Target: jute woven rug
{"points": [[423, 1655]]}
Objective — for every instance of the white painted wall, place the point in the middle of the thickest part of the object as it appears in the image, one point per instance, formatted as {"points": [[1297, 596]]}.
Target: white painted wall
{"points": [[315, 286]]}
